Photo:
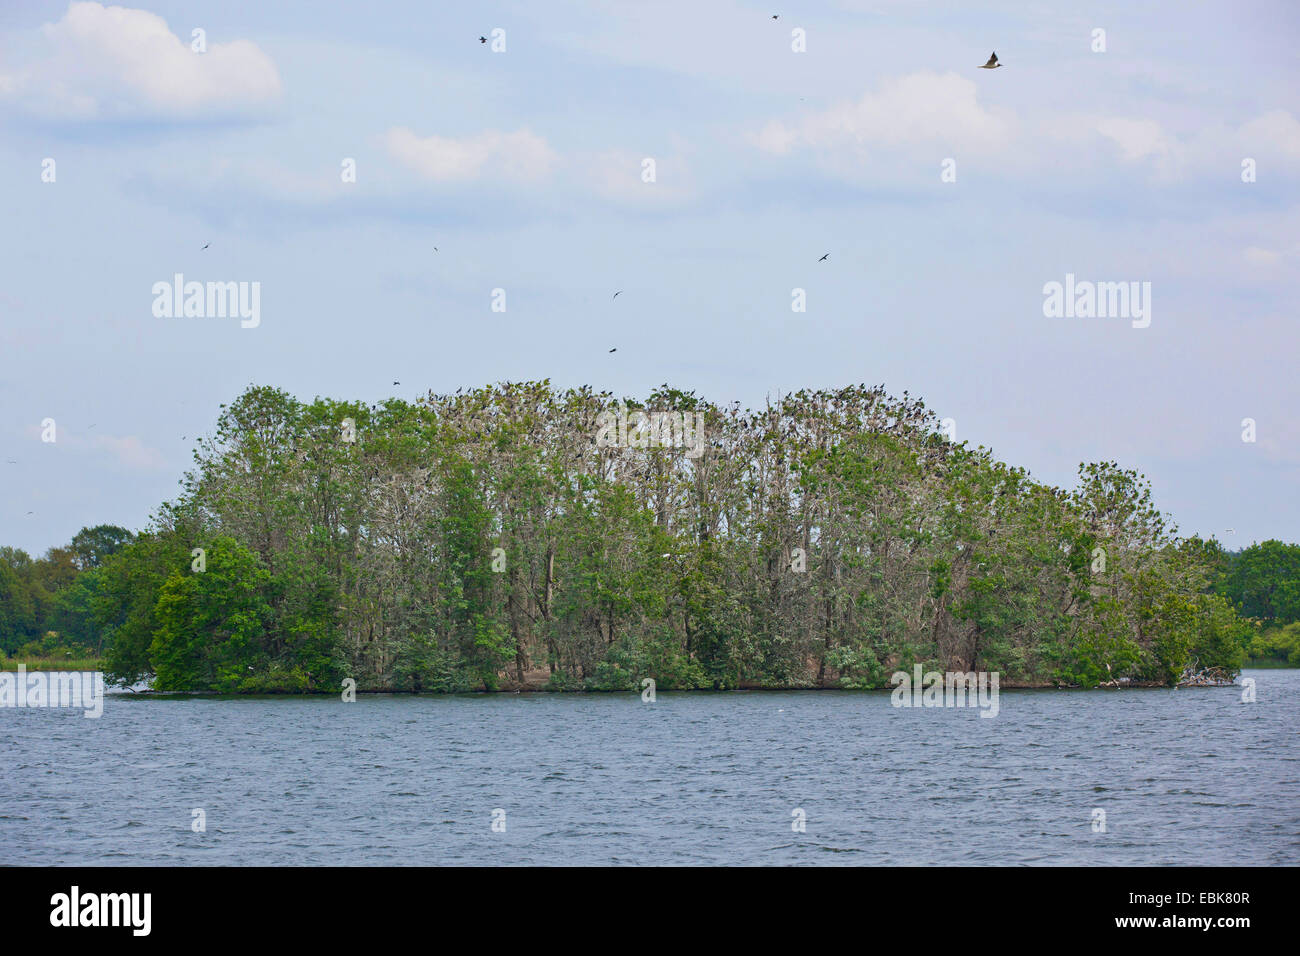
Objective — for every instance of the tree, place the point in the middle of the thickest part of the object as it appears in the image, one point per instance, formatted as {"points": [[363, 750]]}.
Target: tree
{"points": [[1263, 582], [92, 546], [468, 540]]}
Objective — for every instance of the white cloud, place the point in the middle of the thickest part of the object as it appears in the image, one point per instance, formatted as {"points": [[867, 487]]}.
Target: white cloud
{"points": [[1277, 129], [1213, 150], [920, 109], [1136, 139], [521, 156], [130, 452], [617, 175], [908, 123], [120, 63], [1273, 261], [1259, 256]]}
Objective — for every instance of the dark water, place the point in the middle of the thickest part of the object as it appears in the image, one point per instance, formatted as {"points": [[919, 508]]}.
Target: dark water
{"points": [[1192, 776]]}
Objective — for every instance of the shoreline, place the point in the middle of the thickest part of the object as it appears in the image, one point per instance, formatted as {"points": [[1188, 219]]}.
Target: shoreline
{"points": [[518, 691], [538, 686]]}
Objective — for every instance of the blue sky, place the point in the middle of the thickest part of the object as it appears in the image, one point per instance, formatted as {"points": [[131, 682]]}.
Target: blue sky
{"points": [[524, 168]]}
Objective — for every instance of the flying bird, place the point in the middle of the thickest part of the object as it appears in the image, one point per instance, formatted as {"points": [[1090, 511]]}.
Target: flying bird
{"points": [[482, 39], [397, 383], [776, 16], [205, 245], [824, 258], [615, 349], [617, 294], [992, 64]]}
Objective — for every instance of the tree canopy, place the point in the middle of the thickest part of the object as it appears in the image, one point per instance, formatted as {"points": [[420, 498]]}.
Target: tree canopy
{"points": [[486, 538]]}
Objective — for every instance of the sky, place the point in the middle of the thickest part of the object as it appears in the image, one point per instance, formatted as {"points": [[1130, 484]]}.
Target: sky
{"points": [[1118, 143]]}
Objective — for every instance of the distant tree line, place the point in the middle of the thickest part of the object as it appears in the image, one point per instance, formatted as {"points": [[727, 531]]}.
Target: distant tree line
{"points": [[487, 539], [1263, 583], [46, 604]]}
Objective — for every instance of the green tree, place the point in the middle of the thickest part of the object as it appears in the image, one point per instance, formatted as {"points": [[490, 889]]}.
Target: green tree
{"points": [[212, 625]]}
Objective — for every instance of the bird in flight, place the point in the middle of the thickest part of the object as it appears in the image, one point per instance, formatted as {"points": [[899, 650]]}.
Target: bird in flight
{"points": [[1232, 531], [617, 294], [397, 383], [824, 258], [614, 349], [776, 16], [205, 245], [482, 39], [992, 64]]}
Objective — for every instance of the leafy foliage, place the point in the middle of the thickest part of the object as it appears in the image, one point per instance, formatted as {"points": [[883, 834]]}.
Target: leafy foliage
{"points": [[480, 539]]}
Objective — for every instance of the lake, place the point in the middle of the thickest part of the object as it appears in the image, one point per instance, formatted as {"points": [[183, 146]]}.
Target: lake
{"points": [[1190, 776]]}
